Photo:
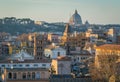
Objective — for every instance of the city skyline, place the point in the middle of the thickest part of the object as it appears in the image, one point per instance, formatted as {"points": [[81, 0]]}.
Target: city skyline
{"points": [[95, 11]]}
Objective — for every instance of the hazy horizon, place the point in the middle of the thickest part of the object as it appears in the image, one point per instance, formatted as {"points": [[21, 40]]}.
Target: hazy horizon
{"points": [[95, 11]]}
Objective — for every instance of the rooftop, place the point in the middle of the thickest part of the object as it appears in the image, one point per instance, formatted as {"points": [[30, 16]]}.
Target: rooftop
{"points": [[109, 47], [63, 58]]}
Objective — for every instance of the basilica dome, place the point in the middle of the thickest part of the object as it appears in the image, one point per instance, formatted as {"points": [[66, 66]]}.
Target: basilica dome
{"points": [[75, 19]]}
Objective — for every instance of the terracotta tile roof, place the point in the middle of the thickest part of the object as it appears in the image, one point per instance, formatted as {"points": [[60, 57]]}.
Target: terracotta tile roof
{"points": [[63, 58], [109, 47]]}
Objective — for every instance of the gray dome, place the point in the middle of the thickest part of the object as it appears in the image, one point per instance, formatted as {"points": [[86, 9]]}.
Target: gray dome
{"points": [[75, 19]]}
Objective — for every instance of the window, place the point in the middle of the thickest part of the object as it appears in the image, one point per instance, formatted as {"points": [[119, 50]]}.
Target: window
{"points": [[28, 76], [41, 48], [14, 65], [49, 56], [3, 65], [41, 42], [24, 76], [8, 65], [33, 75], [27, 65], [58, 53], [10, 75], [43, 64], [20, 65], [36, 65]]}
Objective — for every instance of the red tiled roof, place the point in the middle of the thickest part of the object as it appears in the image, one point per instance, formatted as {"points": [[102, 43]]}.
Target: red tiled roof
{"points": [[63, 58]]}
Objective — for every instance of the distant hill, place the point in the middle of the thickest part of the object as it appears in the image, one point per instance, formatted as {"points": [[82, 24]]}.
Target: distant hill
{"points": [[14, 25]]}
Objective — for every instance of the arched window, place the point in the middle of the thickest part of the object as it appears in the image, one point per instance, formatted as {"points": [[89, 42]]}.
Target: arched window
{"points": [[33, 75], [9, 75], [28, 75], [24, 75]]}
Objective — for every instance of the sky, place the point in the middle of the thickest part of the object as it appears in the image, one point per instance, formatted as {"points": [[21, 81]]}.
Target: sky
{"points": [[95, 11]]}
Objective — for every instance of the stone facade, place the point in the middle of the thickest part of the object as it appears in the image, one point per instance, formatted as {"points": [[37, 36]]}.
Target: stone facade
{"points": [[62, 65], [39, 44], [27, 74]]}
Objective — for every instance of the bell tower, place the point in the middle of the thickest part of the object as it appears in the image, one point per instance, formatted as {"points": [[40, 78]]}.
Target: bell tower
{"points": [[39, 43], [65, 38], [66, 33]]}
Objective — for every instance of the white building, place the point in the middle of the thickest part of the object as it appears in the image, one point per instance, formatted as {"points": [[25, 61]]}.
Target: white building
{"points": [[22, 55], [54, 52], [111, 34]]}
